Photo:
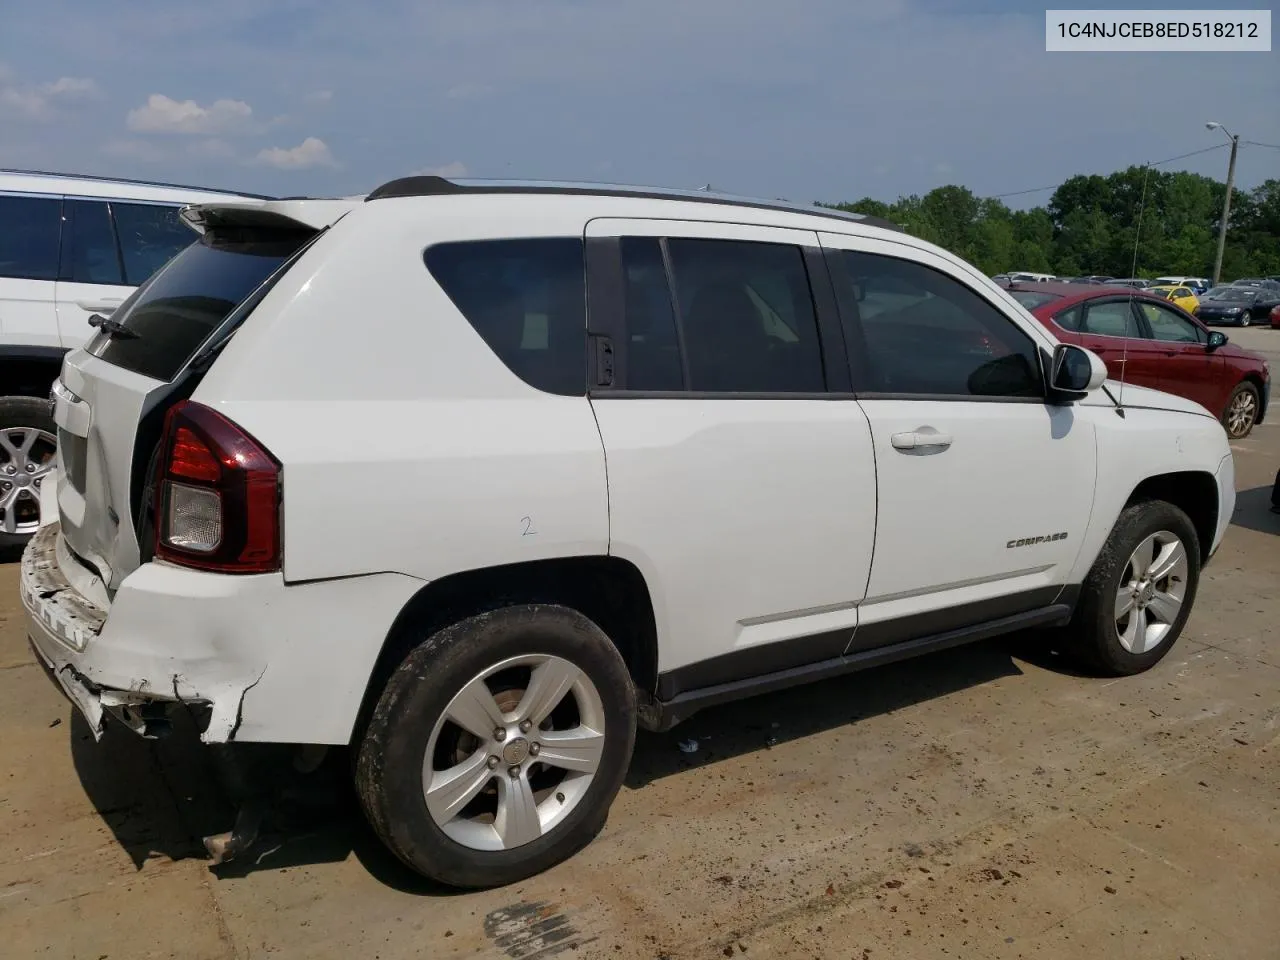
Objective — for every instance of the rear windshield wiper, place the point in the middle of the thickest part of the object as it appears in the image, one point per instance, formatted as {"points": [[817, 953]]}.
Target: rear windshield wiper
{"points": [[112, 328]]}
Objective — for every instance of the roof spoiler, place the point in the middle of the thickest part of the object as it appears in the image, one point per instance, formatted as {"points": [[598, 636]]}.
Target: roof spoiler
{"points": [[267, 215]]}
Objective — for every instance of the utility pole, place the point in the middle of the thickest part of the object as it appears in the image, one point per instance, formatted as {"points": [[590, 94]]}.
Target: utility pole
{"points": [[1226, 200]]}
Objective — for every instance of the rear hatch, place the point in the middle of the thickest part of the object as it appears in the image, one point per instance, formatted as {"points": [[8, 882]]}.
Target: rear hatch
{"points": [[111, 399]]}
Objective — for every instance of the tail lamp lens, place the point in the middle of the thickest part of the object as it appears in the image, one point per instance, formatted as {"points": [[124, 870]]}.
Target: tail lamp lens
{"points": [[218, 497]]}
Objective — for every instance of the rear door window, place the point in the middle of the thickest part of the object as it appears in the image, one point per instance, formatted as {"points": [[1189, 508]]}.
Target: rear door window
{"points": [[747, 317], [527, 300], [172, 315], [150, 235], [89, 253], [30, 228]]}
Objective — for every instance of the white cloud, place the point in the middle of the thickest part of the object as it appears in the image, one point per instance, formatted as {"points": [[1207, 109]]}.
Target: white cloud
{"points": [[320, 98], [311, 152], [455, 169], [161, 114], [42, 101], [71, 88]]}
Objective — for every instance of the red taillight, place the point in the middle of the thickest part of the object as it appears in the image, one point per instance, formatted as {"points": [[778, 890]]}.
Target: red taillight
{"points": [[218, 500]]}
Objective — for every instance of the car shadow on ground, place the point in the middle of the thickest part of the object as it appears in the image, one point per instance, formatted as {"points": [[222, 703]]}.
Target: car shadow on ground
{"points": [[1253, 511], [161, 797]]}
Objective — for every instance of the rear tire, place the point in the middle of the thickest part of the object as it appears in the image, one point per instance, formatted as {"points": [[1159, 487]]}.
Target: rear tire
{"points": [[1133, 606], [1242, 411], [466, 807], [23, 419]]}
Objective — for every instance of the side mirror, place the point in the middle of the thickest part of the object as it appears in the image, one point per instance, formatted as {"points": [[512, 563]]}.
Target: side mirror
{"points": [[1074, 372], [1216, 339]]}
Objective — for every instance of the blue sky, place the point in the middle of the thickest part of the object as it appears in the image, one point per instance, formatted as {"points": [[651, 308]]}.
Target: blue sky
{"points": [[815, 99]]}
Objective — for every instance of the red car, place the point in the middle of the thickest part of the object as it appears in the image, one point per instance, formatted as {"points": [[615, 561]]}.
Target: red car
{"points": [[1275, 317], [1151, 342]]}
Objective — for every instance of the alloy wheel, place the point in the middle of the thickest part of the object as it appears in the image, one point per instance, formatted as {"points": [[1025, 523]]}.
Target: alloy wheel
{"points": [[1151, 593], [26, 457], [1241, 414], [514, 752]]}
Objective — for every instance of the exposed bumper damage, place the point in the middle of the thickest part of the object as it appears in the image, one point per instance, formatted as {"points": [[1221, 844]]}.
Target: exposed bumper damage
{"points": [[253, 658], [65, 631]]}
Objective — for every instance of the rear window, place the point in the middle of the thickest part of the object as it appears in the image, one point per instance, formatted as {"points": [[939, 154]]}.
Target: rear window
{"points": [[527, 300], [1031, 300], [180, 306]]}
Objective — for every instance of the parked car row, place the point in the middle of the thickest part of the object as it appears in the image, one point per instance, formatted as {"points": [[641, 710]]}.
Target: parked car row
{"points": [[1147, 340]]}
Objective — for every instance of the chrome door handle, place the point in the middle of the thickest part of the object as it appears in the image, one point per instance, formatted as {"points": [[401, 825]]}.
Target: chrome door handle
{"points": [[915, 439]]}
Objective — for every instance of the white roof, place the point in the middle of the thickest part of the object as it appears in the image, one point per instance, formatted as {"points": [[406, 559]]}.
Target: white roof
{"points": [[70, 185]]}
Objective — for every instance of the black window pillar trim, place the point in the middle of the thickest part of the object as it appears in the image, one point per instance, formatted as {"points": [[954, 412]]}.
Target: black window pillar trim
{"points": [[850, 321], [115, 237], [668, 268], [606, 331], [836, 368]]}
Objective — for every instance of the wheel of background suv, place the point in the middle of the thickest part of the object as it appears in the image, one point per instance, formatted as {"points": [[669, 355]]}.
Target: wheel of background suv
{"points": [[1241, 412], [1245, 318], [1139, 593], [28, 441], [498, 745]]}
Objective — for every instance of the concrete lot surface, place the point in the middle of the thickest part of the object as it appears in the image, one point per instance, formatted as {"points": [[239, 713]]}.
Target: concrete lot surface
{"points": [[983, 802]]}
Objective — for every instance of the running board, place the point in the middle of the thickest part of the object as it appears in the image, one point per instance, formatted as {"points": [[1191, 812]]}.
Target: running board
{"points": [[660, 715]]}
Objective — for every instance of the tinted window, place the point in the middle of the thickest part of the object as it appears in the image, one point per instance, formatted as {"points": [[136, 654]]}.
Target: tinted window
{"points": [[1113, 319], [174, 313], [926, 333], [150, 236], [1069, 319], [89, 252], [1032, 300], [653, 346], [29, 232], [527, 300], [1169, 326], [747, 317]]}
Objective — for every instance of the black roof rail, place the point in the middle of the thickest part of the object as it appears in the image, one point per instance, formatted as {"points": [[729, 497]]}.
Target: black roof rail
{"points": [[138, 183], [436, 186]]}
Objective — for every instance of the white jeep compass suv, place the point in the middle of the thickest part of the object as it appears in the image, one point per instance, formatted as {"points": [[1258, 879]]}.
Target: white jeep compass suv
{"points": [[477, 477]]}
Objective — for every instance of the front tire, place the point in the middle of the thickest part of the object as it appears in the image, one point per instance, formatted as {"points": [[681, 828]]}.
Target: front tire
{"points": [[1137, 597], [28, 442], [1242, 411], [498, 746]]}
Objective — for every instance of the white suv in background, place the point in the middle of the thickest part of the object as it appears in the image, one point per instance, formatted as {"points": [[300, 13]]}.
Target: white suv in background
{"points": [[71, 249], [476, 478]]}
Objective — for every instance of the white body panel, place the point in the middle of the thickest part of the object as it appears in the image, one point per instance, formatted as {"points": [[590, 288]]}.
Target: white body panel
{"points": [[77, 302], [28, 313], [696, 494]]}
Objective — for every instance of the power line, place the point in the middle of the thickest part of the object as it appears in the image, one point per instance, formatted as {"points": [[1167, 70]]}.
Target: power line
{"points": [[1154, 163], [1193, 153], [1018, 193], [1255, 143]]}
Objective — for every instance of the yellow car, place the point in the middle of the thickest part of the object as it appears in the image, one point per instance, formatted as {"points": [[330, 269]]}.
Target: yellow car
{"points": [[1184, 297]]}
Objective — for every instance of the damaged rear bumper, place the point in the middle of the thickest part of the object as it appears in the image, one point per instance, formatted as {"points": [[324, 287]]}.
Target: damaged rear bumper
{"points": [[134, 682], [256, 659]]}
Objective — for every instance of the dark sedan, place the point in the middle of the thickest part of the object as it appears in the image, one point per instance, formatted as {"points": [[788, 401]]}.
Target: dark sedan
{"points": [[1236, 305]]}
